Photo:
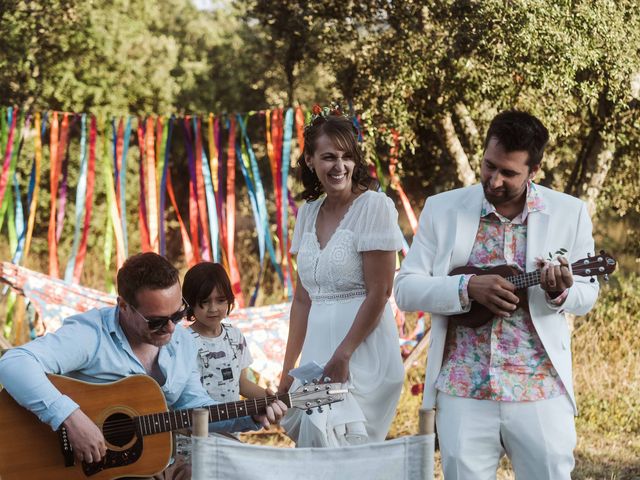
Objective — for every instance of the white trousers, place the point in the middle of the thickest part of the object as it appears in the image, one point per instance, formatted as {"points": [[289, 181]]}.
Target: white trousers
{"points": [[538, 437]]}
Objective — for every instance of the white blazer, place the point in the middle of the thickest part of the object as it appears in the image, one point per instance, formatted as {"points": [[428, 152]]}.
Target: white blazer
{"points": [[448, 227]]}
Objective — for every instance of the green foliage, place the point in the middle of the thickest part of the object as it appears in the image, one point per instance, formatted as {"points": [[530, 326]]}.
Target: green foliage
{"points": [[606, 350]]}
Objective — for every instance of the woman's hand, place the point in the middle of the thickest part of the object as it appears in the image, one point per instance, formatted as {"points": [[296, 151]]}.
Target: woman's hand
{"points": [[337, 368]]}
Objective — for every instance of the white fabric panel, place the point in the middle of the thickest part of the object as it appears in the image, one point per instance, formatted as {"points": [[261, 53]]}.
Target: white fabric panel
{"points": [[406, 458]]}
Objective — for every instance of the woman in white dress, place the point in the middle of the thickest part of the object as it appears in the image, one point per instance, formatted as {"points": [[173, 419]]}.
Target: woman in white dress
{"points": [[346, 237]]}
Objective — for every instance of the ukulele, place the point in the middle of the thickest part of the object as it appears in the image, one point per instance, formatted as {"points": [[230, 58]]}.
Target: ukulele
{"points": [[133, 417], [602, 264]]}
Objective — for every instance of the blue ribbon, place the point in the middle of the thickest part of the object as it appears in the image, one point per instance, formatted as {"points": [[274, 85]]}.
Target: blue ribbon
{"points": [[260, 197], [80, 200], [20, 224], [286, 161], [256, 216], [211, 202], [123, 185], [163, 186]]}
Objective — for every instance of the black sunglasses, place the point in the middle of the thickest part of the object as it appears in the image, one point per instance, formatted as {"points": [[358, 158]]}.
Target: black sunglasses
{"points": [[157, 323]]}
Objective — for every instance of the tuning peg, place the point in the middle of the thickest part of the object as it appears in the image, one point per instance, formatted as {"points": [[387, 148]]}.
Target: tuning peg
{"points": [[592, 280], [309, 411], [606, 277], [588, 255], [601, 252], [319, 409]]}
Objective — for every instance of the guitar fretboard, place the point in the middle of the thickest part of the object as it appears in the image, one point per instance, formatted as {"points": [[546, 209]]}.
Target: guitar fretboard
{"points": [[178, 419]]}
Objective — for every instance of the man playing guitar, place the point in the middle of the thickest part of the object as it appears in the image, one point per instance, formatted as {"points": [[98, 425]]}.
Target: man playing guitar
{"points": [[138, 336]]}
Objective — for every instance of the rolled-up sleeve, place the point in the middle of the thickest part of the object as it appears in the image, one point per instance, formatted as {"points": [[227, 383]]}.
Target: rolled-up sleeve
{"points": [[23, 370]]}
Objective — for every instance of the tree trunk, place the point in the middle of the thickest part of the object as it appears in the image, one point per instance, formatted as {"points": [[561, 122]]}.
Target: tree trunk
{"points": [[469, 127], [454, 148], [598, 163]]}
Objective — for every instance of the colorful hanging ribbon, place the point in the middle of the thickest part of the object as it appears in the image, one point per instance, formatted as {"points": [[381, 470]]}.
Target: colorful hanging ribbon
{"points": [[142, 205], [166, 150], [286, 161], [188, 248], [201, 193], [231, 213], [81, 195], [88, 202], [121, 139], [6, 168], [274, 130], [261, 201], [214, 215], [151, 187], [54, 175], [34, 183], [62, 189], [395, 181], [194, 217], [210, 196], [20, 224], [113, 224]]}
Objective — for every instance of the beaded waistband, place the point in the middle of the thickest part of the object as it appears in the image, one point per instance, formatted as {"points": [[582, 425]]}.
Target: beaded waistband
{"points": [[337, 296]]}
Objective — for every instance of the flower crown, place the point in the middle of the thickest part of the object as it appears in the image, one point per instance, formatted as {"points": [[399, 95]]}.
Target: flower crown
{"points": [[333, 110]]}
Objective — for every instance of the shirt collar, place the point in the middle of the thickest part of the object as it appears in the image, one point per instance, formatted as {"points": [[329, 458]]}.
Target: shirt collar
{"points": [[534, 203]]}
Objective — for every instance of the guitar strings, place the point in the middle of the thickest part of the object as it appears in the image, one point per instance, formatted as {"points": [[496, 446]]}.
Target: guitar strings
{"points": [[127, 425]]}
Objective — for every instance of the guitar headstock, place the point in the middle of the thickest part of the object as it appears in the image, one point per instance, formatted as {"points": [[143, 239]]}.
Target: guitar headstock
{"points": [[601, 264], [317, 395]]}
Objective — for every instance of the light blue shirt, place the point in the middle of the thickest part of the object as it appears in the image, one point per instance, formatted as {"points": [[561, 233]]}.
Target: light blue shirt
{"points": [[93, 347]]}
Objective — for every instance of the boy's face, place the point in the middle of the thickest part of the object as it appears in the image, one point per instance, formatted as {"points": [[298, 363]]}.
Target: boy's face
{"points": [[212, 310]]}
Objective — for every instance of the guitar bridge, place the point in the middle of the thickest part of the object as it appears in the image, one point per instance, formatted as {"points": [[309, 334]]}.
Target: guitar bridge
{"points": [[114, 459], [65, 446]]}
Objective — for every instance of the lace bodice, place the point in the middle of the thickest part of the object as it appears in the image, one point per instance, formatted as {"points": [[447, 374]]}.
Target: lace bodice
{"points": [[335, 273]]}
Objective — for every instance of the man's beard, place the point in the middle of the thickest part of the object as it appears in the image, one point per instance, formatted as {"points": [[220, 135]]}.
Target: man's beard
{"points": [[504, 194]]}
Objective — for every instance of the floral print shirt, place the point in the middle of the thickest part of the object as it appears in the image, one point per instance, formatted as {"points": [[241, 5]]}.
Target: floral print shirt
{"points": [[504, 359]]}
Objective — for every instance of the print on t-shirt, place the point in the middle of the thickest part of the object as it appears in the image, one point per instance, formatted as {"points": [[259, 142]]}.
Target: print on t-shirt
{"points": [[221, 359]]}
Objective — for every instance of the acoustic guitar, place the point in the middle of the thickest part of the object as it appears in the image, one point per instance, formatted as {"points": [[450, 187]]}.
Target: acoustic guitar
{"points": [[133, 417], [602, 264]]}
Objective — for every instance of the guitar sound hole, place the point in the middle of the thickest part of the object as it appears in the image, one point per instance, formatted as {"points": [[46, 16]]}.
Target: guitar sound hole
{"points": [[118, 429]]}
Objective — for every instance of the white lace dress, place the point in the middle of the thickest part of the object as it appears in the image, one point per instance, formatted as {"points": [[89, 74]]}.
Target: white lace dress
{"points": [[334, 278]]}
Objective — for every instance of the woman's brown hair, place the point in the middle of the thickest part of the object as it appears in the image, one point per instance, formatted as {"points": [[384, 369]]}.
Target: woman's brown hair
{"points": [[343, 133]]}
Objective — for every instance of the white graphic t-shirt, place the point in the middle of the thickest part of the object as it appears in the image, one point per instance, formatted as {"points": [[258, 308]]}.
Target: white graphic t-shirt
{"points": [[221, 360]]}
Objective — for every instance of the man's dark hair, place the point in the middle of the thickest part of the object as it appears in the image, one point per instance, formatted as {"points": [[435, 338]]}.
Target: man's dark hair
{"points": [[145, 271], [519, 131]]}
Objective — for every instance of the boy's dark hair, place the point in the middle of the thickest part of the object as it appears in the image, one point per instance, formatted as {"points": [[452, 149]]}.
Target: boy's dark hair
{"points": [[344, 134], [519, 131], [145, 271], [201, 280]]}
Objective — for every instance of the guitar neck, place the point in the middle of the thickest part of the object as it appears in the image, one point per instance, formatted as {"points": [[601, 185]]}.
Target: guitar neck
{"points": [[179, 419], [525, 280]]}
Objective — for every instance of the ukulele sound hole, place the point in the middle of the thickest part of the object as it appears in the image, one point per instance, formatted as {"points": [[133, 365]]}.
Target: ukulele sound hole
{"points": [[118, 429]]}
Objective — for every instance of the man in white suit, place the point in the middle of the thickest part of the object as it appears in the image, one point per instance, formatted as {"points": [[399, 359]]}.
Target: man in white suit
{"points": [[505, 386]]}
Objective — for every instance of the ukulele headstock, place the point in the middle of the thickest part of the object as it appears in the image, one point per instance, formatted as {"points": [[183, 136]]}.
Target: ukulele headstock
{"points": [[591, 266]]}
